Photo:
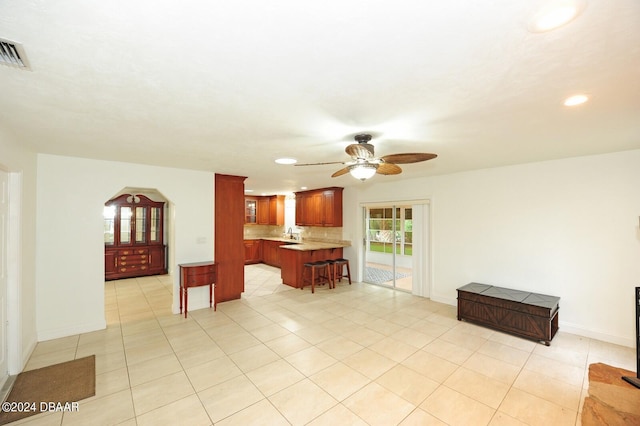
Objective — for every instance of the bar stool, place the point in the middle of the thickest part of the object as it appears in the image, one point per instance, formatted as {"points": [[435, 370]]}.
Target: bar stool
{"points": [[338, 270], [316, 270], [332, 271]]}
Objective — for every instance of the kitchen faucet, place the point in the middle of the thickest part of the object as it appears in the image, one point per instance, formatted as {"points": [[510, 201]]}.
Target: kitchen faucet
{"points": [[290, 232]]}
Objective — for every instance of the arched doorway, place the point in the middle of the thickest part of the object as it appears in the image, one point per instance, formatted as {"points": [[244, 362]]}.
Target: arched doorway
{"points": [[136, 233]]}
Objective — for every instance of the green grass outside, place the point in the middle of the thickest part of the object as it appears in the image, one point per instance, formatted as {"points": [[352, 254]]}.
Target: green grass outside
{"points": [[388, 248]]}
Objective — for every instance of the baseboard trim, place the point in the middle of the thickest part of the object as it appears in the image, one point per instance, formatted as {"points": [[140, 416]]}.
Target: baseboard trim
{"points": [[44, 335]]}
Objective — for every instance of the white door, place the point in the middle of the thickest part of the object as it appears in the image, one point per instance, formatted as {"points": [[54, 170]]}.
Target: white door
{"points": [[4, 226]]}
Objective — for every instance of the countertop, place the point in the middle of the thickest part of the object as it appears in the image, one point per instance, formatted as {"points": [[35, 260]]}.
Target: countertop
{"points": [[305, 245], [281, 239], [315, 245]]}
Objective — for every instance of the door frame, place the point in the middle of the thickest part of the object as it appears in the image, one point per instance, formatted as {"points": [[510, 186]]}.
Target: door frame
{"points": [[422, 242], [14, 266]]}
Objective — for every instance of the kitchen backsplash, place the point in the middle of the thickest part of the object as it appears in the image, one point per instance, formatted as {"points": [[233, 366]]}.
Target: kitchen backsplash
{"points": [[257, 231], [314, 233], [319, 233]]}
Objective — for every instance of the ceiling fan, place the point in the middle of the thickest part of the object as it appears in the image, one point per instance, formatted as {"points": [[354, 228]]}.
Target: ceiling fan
{"points": [[364, 164]]}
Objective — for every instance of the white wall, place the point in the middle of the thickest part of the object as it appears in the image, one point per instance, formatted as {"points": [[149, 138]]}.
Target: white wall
{"points": [[20, 162], [568, 228], [352, 229], [70, 247]]}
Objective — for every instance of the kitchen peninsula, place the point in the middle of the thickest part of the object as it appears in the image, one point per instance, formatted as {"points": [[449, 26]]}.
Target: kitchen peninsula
{"points": [[268, 240], [294, 256]]}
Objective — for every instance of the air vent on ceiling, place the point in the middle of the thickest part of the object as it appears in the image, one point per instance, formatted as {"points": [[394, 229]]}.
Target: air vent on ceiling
{"points": [[12, 54]]}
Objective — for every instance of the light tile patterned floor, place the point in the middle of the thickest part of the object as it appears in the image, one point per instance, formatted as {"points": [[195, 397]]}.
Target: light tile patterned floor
{"points": [[358, 354]]}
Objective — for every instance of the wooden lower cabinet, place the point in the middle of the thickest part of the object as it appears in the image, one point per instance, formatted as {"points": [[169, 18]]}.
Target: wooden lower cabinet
{"points": [[263, 251], [110, 269], [252, 251], [157, 258], [270, 254], [292, 262], [134, 262]]}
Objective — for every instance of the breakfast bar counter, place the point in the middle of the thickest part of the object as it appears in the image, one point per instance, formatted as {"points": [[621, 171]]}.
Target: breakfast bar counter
{"points": [[294, 256], [315, 245]]}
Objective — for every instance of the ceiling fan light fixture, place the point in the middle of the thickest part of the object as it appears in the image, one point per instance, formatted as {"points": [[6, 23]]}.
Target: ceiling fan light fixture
{"points": [[363, 171], [364, 164]]}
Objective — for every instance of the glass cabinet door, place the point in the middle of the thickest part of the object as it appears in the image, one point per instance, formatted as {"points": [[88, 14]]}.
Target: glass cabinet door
{"points": [[155, 227], [109, 215], [125, 225], [141, 225], [250, 211], [132, 220]]}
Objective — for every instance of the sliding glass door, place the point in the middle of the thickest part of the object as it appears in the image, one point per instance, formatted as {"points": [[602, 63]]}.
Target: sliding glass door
{"points": [[389, 246]]}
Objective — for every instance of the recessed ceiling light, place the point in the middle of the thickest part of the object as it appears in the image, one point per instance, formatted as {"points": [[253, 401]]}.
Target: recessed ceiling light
{"points": [[576, 100], [286, 161], [248, 190], [303, 187], [555, 14]]}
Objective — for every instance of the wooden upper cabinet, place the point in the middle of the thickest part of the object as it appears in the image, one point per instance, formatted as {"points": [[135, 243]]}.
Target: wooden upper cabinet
{"points": [[307, 209], [276, 210], [300, 208], [250, 210], [332, 207], [316, 210], [319, 207], [264, 210], [133, 220]]}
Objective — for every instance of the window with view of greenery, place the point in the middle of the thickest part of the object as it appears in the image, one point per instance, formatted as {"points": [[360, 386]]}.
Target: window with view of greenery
{"points": [[383, 236]]}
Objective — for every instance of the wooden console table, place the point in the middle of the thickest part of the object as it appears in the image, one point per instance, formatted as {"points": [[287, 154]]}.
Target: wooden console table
{"points": [[529, 315], [195, 275]]}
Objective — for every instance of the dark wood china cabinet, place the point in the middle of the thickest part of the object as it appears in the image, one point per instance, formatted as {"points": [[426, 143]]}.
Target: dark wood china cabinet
{"points": [[134, 237]]}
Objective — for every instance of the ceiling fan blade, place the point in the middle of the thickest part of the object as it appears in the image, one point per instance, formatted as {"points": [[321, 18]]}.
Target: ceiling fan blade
{"points": [[360, 150], [414, 157], [388, 169], [341, 172], [320, 164]]}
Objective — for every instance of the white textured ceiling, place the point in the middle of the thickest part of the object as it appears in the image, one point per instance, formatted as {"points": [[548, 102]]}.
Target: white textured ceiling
{"points": [[228, 86]]}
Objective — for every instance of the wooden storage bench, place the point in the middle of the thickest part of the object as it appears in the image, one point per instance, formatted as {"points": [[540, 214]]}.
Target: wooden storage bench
{"points": [[529, 315]]}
